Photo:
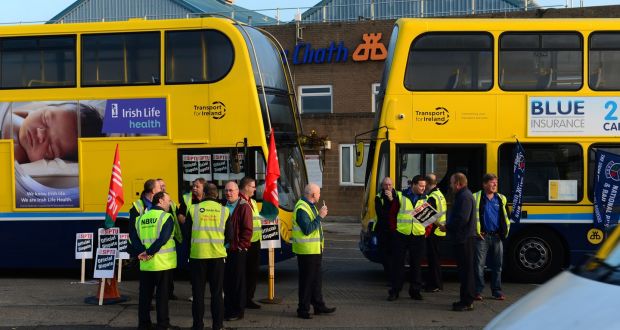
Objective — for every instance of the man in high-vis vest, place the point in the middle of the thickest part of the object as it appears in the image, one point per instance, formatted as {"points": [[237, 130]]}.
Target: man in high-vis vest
{"points": [[247, 187], [308, 242], [437, 200], [195, 196], [409, 237], [178, 235], [144, 203], [152, 239], [492, 225], [207, 256]]}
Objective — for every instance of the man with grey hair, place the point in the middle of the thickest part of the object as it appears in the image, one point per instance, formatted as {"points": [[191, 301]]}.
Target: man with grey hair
{"points": [[308, 244]]}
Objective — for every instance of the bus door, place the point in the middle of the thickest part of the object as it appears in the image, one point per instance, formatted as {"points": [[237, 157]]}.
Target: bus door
{"points": [[442, 160]]}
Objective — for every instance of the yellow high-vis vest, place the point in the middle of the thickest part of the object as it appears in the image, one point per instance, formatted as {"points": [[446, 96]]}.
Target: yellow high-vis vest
{"points": [[208, 225], [306, 244], [148, 227]]}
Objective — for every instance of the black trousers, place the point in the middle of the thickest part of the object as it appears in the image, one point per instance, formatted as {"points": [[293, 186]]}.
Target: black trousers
{"points": [[384, 247], [310, 282], [434, 279], [154, 281], [464, 252], [251, 270], [401, 244], [212, 270], [234, 284]]}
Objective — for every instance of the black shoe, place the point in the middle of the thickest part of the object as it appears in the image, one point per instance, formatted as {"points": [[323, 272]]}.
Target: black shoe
{"points": [[324, 310], [148, 326], [463, 307], [392, 296], [252, 305], [173, 297], [304, 315], [415, 295], [234, 318]]}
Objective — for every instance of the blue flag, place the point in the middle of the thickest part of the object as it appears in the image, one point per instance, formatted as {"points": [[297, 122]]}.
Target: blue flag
{"points": [[518, 172], [606, 185]]}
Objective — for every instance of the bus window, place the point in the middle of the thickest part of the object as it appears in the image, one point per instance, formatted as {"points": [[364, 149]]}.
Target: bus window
{"points": [[383, 167], [443, 161], [604, 61], [201, 56], [38, 62], [120, 59], [450, 61], [540, 61], [614, 149], [545, 164]]}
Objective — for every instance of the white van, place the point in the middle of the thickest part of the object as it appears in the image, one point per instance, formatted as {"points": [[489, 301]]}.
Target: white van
{"points": [[585, 297]]}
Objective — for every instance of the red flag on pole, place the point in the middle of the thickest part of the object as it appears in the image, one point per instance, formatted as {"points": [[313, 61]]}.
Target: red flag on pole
{"points": [[115, 194], [270, 196]]}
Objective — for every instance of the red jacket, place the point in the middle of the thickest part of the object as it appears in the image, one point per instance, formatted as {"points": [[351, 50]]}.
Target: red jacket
{"points": [[241, 224]]}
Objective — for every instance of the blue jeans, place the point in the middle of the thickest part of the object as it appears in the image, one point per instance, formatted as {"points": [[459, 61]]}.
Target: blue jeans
{"points": [[492, 246]]}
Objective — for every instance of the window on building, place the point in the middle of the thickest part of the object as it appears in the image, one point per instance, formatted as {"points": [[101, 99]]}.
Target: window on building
{"points": [[351, 175], [450, 62], [201, 56], [316, 99], [38, 62], [554, 172], [540, 61], [374, 92], [604, 61], [121, 59]]}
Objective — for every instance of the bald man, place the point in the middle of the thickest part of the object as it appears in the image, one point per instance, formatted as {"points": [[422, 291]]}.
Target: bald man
{"points": [[308, 245]]}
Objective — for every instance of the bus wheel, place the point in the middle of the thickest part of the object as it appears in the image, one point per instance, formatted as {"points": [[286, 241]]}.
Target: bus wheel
{"points": [[535, 256]]}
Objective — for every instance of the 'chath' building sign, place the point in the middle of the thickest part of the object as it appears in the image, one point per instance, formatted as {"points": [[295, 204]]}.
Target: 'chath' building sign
{"points": [[371, 49]]}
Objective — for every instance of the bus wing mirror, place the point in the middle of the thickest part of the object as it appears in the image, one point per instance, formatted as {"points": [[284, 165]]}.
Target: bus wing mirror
{"points": [[359, 154]]}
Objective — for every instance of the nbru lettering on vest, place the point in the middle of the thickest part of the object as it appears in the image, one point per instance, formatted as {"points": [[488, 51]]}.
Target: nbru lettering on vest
{"points": [[320, 55], [568, 107], [149, 221]]}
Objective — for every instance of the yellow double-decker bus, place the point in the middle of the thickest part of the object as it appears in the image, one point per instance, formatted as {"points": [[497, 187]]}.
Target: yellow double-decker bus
{"points": [[183, 99], [457, 94]]}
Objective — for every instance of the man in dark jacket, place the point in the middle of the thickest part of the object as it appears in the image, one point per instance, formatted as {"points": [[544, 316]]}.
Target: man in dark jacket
{"points": [[461, 229], [387, 205], [241, 225]]}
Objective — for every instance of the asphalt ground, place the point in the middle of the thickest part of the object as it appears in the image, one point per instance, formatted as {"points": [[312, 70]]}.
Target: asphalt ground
{"points": [[352, 284]]}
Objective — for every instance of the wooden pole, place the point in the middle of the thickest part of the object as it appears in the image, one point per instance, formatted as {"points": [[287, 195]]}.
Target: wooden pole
{"points": [[272, 289], [120, 269], [101, 291], [83, 274]]}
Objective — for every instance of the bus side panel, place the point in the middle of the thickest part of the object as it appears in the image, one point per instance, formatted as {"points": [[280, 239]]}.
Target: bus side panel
{"points": [[156, 160], [24, 247], [6, 190]]}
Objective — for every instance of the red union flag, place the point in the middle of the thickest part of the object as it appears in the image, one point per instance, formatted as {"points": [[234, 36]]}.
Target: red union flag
{"points": [[270, 196], [115, 194]]}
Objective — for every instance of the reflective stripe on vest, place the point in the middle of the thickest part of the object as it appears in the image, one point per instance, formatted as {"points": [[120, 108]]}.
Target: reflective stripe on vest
{"points": [[208, 226], [404, 221], [178, 235], [139, 205], [256, 222], [187, 198], [478, 197], [306, 244], [441, 207], [166, 257]]}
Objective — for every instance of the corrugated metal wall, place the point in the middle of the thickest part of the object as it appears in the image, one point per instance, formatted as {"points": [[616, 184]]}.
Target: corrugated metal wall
{"points": [[115, 10], [347, 10]]}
